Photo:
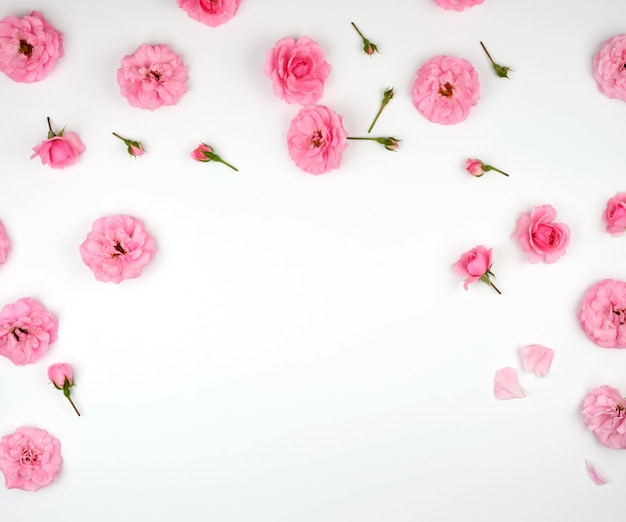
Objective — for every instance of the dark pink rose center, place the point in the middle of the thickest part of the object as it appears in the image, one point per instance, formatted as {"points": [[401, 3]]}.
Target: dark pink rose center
{"points": [[317, 140], [301, 69], [25, 48], [446, 89], [545, 235], [119, 250], [208, 5], [618, 316], [18, 333], [28, 458]]}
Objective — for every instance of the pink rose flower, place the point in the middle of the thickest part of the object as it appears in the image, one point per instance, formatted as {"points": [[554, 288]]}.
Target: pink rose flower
{"points": [[117, 248], [59, 150], [477, 168], [298, 70], [60, 375], [476, 265], [5, 246], [604, 413], [540, 237], [210, 12], [30, 459], [133, 147], [152, 76], [608, 65], [26, 331], [457, 5], [204, 153], [317, 139], [615, 214], [603, 314], [445, 90], [29, 47]]}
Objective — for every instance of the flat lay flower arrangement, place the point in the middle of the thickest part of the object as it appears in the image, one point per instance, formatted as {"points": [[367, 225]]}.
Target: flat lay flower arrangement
{"points": [[121, 240]]}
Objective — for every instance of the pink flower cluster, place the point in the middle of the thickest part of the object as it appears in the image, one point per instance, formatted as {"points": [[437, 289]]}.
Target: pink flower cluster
{"points": [[30, 459], [152, 76], [26, 331], [604, 413], [117, 248], [29, 47]]}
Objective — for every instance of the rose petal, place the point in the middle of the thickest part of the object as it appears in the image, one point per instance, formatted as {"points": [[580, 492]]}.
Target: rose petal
{"points": [[536, 359], [506, 386], [598, 479]]}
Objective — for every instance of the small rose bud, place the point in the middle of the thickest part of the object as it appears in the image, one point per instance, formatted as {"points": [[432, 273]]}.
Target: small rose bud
{"points": [[61, 377], [500, 70], [477, 168], [134, 148], [389, 143], [204, 153], [368, 47]]}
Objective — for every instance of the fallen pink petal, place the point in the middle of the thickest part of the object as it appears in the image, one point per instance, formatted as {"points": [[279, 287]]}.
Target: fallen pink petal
{"points": [[536, 359], [506, 385], [598, 479]]}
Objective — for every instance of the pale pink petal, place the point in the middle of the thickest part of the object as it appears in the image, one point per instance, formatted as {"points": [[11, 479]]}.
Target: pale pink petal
{"points": [[506, 386], [598, 479], [536, 359]]}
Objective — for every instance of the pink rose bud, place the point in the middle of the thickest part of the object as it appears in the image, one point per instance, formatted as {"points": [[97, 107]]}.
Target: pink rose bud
{"points": [[368, 47], [134, 148], [387, 96], [476, 265], [389, 143], [502, 72], [204, 153], [59, 150], [61, 376], [477, 168]]}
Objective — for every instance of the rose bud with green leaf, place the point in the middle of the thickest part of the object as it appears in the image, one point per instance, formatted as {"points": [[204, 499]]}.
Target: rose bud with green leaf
{"points": [[61, 376], [477, 168], [204, 153], [368, 47], [502, 72], [134, 148]]}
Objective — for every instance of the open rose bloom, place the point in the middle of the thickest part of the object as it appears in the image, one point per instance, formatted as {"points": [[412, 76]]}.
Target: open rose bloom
{"points": [[316, 139], [603, 314], [60, 151], [445, 90], [298, 70], [210, 12], [152, 76], [604, 413], [26, 331], [614, 215], [30, 459], [5, 245], [540, 237], [457, 5], [29, 47], [117, 248], [608, 65]]}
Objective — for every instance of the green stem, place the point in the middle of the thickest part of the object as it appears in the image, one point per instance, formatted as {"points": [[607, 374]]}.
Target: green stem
{"points": [[228, 165], [487, 53], [74, 406], [118, 136], [367, 139], [494, 287], [357, 30], [382, 106]]}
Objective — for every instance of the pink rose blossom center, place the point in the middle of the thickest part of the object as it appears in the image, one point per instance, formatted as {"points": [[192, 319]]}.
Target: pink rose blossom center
{"points": [[22, 331], [302, 69], [28, 458], [119, 250], [618, 316], [208, 5], [317, 140], [25, 48], [446, 90]]}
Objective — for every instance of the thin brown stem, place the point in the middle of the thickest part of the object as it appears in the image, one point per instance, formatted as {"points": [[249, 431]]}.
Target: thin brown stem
{"points": [[357, 30], [74, 406], [487, 53], [494, 287]]}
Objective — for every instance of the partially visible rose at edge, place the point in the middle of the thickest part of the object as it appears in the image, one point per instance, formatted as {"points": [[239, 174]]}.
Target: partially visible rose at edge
{"points": [[5, 245], [614, 214]]}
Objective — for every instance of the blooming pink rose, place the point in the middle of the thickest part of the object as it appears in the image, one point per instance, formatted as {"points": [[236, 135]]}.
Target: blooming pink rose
{"points": [[445, 90], [298, 70], [540, 236], [5, 246], [476, 265], [615, 214], [603, 314], [609, 69], [317, 139], [117, 248], [26, 330], [59, 373], [604, 414], [30, 459], [152, 76], [29, 47], [457, 5], [210, 12], [60, 151], [474, 167]]}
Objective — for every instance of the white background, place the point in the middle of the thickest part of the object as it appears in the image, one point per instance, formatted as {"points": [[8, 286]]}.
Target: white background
{"points": [[300, 348]]}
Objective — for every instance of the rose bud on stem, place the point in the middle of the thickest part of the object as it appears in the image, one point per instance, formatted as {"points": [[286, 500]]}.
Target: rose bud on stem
{"points": [[61, 377], [204, 153], [477, 168], [368, 47], [387, 95], [134, 148], [390, 143], [501, 71], [475, 265]]}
